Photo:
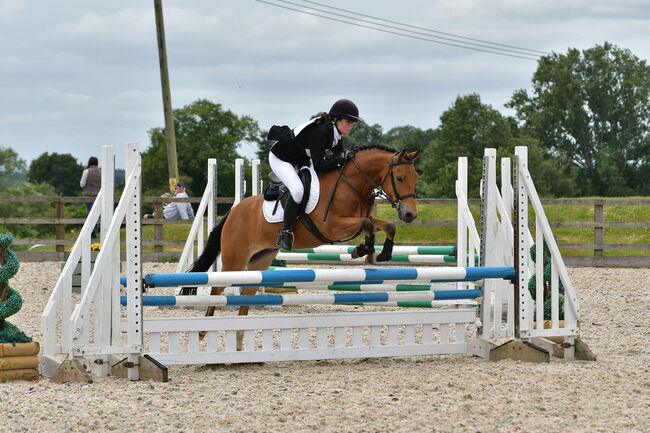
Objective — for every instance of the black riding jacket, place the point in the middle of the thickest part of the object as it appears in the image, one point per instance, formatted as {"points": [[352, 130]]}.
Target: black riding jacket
{"points": [[317, 137]]}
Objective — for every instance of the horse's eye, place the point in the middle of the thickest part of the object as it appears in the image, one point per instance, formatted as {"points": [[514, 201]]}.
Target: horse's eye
{"points": [[400, 179]]}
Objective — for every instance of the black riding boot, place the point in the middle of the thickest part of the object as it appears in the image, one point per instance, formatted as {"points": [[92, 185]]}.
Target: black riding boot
{"points": [[285, 237]]}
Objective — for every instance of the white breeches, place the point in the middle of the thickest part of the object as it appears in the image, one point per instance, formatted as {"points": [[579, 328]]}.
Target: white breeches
{"points": [[288, 176]]}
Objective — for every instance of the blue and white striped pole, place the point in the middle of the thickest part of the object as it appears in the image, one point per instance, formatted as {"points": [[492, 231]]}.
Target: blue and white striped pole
{"points": [[310, 299], [379, 275]]}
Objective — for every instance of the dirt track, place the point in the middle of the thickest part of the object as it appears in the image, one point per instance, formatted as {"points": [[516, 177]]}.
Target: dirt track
{"points": [[442, 394]]}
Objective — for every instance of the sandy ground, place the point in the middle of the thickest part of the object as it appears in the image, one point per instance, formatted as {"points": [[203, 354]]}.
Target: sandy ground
{"points": [[428, 394]]}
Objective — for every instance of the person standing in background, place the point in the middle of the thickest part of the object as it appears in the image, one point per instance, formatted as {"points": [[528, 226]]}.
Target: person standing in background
{"points": [[91, 180]]}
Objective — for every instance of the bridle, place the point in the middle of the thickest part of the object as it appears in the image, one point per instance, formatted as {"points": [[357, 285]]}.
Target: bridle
{"points": [[379, 191]]}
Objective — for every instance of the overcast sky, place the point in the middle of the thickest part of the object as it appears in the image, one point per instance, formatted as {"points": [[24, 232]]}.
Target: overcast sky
{"points": [[76, 75]]}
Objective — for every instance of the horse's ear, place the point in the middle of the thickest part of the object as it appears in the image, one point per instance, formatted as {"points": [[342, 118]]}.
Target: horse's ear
{"points": [[414, 155], [401, 155]]}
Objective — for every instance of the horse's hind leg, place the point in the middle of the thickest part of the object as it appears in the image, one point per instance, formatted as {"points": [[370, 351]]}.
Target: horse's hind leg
{"points": [[214, 291]]}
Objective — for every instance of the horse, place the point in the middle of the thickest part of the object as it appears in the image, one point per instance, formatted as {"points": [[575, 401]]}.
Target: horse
{"points": [[246, 240]]}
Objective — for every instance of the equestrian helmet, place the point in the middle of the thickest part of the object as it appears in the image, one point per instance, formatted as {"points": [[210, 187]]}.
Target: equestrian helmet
{"points": [[346, 109]]}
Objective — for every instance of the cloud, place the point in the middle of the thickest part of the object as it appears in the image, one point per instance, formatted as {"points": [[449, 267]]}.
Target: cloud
{"points": [[76, 75], [125, 27], [10, 10]]}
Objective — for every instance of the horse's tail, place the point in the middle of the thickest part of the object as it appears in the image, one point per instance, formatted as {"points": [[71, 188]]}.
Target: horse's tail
{"points": [[209, 255]]}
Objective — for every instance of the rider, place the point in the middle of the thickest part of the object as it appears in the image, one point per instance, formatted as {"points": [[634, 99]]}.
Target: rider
{"points": [[318, 141]]}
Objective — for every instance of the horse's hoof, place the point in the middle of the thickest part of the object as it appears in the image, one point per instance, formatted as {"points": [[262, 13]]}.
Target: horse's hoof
{"points": [[384, 257], [362, 250], [370, 259]]}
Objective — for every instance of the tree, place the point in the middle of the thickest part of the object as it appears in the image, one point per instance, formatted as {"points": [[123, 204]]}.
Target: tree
{"points": [[12, 168], [593, 108], [408, 137], [363, 134], [466, 129], [62, 171], [203, 130], [411, 138]]}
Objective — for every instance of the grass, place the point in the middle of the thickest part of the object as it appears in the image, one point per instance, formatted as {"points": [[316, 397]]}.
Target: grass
{"points": [[554, 213], [447, 234]]}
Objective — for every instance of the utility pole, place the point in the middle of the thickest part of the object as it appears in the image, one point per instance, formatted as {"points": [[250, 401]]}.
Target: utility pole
{"points": [[172, 163]]}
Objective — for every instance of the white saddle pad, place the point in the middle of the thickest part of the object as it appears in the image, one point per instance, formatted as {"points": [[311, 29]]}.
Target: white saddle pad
{"points": [[276, 217]]}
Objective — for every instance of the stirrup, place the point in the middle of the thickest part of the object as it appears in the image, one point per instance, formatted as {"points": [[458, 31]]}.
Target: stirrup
{"points": [[285, 239]]}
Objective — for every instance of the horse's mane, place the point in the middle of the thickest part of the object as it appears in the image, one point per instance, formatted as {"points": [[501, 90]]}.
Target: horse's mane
{"points": [[374, 146], [380, 147]]}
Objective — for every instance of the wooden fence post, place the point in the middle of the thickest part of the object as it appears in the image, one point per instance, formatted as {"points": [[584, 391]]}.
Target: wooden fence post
{"points": [[60, 228], [599, 229], [158, 228]]}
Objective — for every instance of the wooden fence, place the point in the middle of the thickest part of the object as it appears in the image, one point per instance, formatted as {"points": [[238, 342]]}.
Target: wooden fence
{"points": [[158, 242]]}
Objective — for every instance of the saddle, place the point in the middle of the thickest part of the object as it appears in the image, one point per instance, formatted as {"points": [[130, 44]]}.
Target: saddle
{"points": [[277, 194]]}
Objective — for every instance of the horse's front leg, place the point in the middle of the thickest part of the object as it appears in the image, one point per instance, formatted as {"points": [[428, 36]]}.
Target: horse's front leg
{"points": [[366, 248], [348, 226], [389, 228]]}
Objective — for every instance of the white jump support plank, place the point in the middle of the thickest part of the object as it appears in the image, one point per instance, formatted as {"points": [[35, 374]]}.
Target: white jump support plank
{"points": [[489, 247], [551, 243], [240, 181], [526, 192], [62, 294], [104, 313], [212, 204], [256, 173], [133, 217], [461, 199], [402, 329]]}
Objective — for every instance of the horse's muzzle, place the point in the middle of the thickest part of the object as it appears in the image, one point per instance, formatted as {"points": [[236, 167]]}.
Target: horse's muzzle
{"points": [[406, 214]]}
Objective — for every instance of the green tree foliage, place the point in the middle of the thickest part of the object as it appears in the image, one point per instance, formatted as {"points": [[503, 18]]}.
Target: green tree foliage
{"points": [[12, 167], [62, 171], [264, 148], [408, 137], [466, 129], [203, 130], [411, 138], [593, 109], [363, 134], [28, 209]]}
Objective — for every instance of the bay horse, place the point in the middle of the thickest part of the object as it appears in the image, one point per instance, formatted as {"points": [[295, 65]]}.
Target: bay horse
{"points": [[245, 239]]}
